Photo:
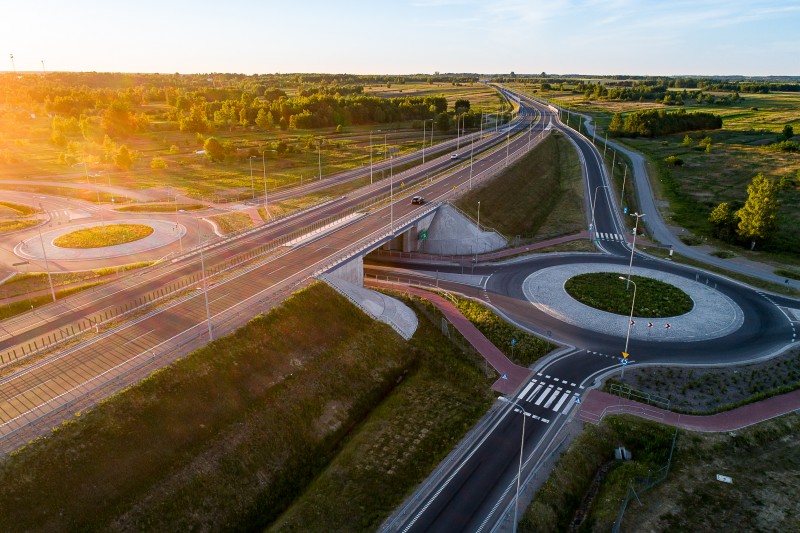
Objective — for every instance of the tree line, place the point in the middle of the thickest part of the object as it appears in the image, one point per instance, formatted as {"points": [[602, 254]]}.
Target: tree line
{"points": [[657, 122]]}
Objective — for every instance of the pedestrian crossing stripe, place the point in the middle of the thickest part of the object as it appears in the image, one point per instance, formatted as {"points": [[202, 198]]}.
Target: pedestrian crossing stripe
{"points": [[616, 237]]}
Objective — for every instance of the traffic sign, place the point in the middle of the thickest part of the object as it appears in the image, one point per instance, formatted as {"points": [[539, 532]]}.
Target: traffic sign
{"points": [[423, 235], [504, 376], [649, 324], [667, 326], [625, 210], [633, 322], [625, 355], [513, 342], [577, 400], [623, 361]]}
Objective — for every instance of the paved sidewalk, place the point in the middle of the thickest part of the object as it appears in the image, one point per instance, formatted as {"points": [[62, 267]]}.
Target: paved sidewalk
{"points": [[597, 404], [517, 375]]}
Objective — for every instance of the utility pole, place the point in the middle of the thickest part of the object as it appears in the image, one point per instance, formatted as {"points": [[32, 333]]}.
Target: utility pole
{"points": [[46, 264]]}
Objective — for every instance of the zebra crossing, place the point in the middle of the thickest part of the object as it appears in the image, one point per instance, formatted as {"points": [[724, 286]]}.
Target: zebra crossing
{"points": [[614, 237], [551, 394]]}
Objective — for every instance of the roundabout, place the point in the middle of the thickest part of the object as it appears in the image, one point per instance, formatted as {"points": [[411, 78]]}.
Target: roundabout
{"points": [[714, 315], [163, 233]]}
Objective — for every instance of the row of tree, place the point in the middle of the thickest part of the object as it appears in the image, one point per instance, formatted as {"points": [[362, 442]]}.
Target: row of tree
{"points": [[657, 122], [753, 222]]}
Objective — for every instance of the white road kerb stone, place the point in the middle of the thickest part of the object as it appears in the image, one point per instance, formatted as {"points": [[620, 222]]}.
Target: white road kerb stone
{"points": [[164, 233], [714, 315]]}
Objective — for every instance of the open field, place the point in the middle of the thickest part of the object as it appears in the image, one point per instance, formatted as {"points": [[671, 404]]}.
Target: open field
{"points": [[479, 96], [105, 235], [285, 403], [160, 208], [66, 192], [537, 198]]}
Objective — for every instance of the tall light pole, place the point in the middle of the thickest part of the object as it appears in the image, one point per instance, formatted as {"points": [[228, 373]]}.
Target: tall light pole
{"points": [[477, 231], [205, 294], [266, 194], [252, 182], [630, 323], [525, 414], [594, 203], [319, 158], [46, 264], [370, 155], [424, 122], [471, 154], [633, 248], [622, 194], [508, 143], [13, 66]]}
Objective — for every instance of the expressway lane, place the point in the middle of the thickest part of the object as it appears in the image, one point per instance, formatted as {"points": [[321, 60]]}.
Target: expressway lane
{"points": [[28, 394]]}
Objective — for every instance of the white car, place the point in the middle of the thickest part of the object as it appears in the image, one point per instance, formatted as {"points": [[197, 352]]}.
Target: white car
{"points": [[453, 156]]}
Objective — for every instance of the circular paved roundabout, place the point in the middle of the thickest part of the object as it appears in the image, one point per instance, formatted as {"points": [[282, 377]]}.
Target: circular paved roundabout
{"points": [[164, 233], [714, 315]]}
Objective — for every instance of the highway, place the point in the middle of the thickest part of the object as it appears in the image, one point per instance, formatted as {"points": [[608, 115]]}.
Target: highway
{"points": [[474, 490], [34, 391]]}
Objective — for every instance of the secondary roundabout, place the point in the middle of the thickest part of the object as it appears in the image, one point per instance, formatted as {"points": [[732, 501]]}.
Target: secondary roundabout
{"points": [[712, 315], [88, 241]]}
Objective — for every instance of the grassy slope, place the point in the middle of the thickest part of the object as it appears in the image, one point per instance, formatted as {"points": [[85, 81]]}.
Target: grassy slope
{"points": [[540, 197], [229, 436]]}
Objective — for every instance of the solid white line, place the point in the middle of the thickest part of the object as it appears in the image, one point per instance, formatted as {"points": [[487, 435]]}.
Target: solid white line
{"points": [[569, 406], [544, 395], [139, 337]]}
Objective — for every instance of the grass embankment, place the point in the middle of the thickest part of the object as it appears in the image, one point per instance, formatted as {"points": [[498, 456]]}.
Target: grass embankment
{"points": [[160, 208], [101, 236], [7, 226], [66, 192], [20, 306], [28, 282], [232, 222], [14, 209], [228, 437], [605, 291], [528, 348], [537, 198], [763, 461], [712, 390], [557, 501]]}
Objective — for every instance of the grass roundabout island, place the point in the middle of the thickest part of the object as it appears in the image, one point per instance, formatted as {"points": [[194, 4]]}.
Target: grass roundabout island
{"points": [[606, 292], [102, 236]]}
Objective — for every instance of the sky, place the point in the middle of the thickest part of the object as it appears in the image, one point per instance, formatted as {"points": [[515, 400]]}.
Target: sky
{"points": [[677, 37]]}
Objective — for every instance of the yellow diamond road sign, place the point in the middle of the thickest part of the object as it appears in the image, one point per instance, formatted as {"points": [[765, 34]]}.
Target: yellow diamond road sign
{"points": [[625, 355]]}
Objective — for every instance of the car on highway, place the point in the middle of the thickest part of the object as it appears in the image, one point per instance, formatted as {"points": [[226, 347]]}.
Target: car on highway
{"points": [[418, 200], [453, 156]]}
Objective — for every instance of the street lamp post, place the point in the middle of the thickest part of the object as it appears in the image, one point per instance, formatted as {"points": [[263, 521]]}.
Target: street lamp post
{"points": [[622, 194], [319, 158], [370, 154], [424, 122], [508, 143], [633, 247], [630, 322], [477, 231], [594, 203], [205, 294], [525, 414], [46, 264], [252, 182], [266, 194]]}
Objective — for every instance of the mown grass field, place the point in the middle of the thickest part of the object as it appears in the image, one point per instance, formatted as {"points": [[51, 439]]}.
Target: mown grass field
{"points": [[66, 192], [160, 208], [105, 235], [21, 306], [7, 226], [232, 222], [232, 435], [537, 198], [605, 291], [9, 209]]}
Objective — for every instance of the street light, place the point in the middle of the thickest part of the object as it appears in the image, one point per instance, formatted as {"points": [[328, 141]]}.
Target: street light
{"points": [[266, 194], [630, 323], [525, 414], [594, 203], [633, 247], [44, 253], [370, 154], [477, 231], [252, 182]]}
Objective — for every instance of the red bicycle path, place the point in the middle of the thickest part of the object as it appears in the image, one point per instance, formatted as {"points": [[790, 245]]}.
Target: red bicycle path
{"points": [[597, 404], [515, 375]]}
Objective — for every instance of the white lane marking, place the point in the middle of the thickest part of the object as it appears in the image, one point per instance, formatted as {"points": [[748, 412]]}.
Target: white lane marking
{"points": [[526, 389], [564, 397], [535, 392], [569, 406], [139, 337], [544, 395], [552, 398]]}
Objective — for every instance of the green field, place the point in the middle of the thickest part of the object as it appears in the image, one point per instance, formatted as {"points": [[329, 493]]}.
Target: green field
{"points": [[537, 198], [160, 208], [280, 415], [7, 226]]}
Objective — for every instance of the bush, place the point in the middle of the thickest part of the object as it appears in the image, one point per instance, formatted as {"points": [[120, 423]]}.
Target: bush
{"points": [[673, 161]]}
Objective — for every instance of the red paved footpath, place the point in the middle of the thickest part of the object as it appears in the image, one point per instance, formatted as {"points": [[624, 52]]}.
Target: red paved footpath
{"points": [[517, 375], [597, 404]]}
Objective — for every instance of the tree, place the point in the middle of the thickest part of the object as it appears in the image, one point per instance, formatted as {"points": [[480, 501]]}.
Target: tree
{"points": [[461, 106], [757, 217], [443, 122], [263, 119], [725, 221], [687, 141], [616, 125], [214, 149], [788, 131], [158, 163], [124, 158], [283, 123]]}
